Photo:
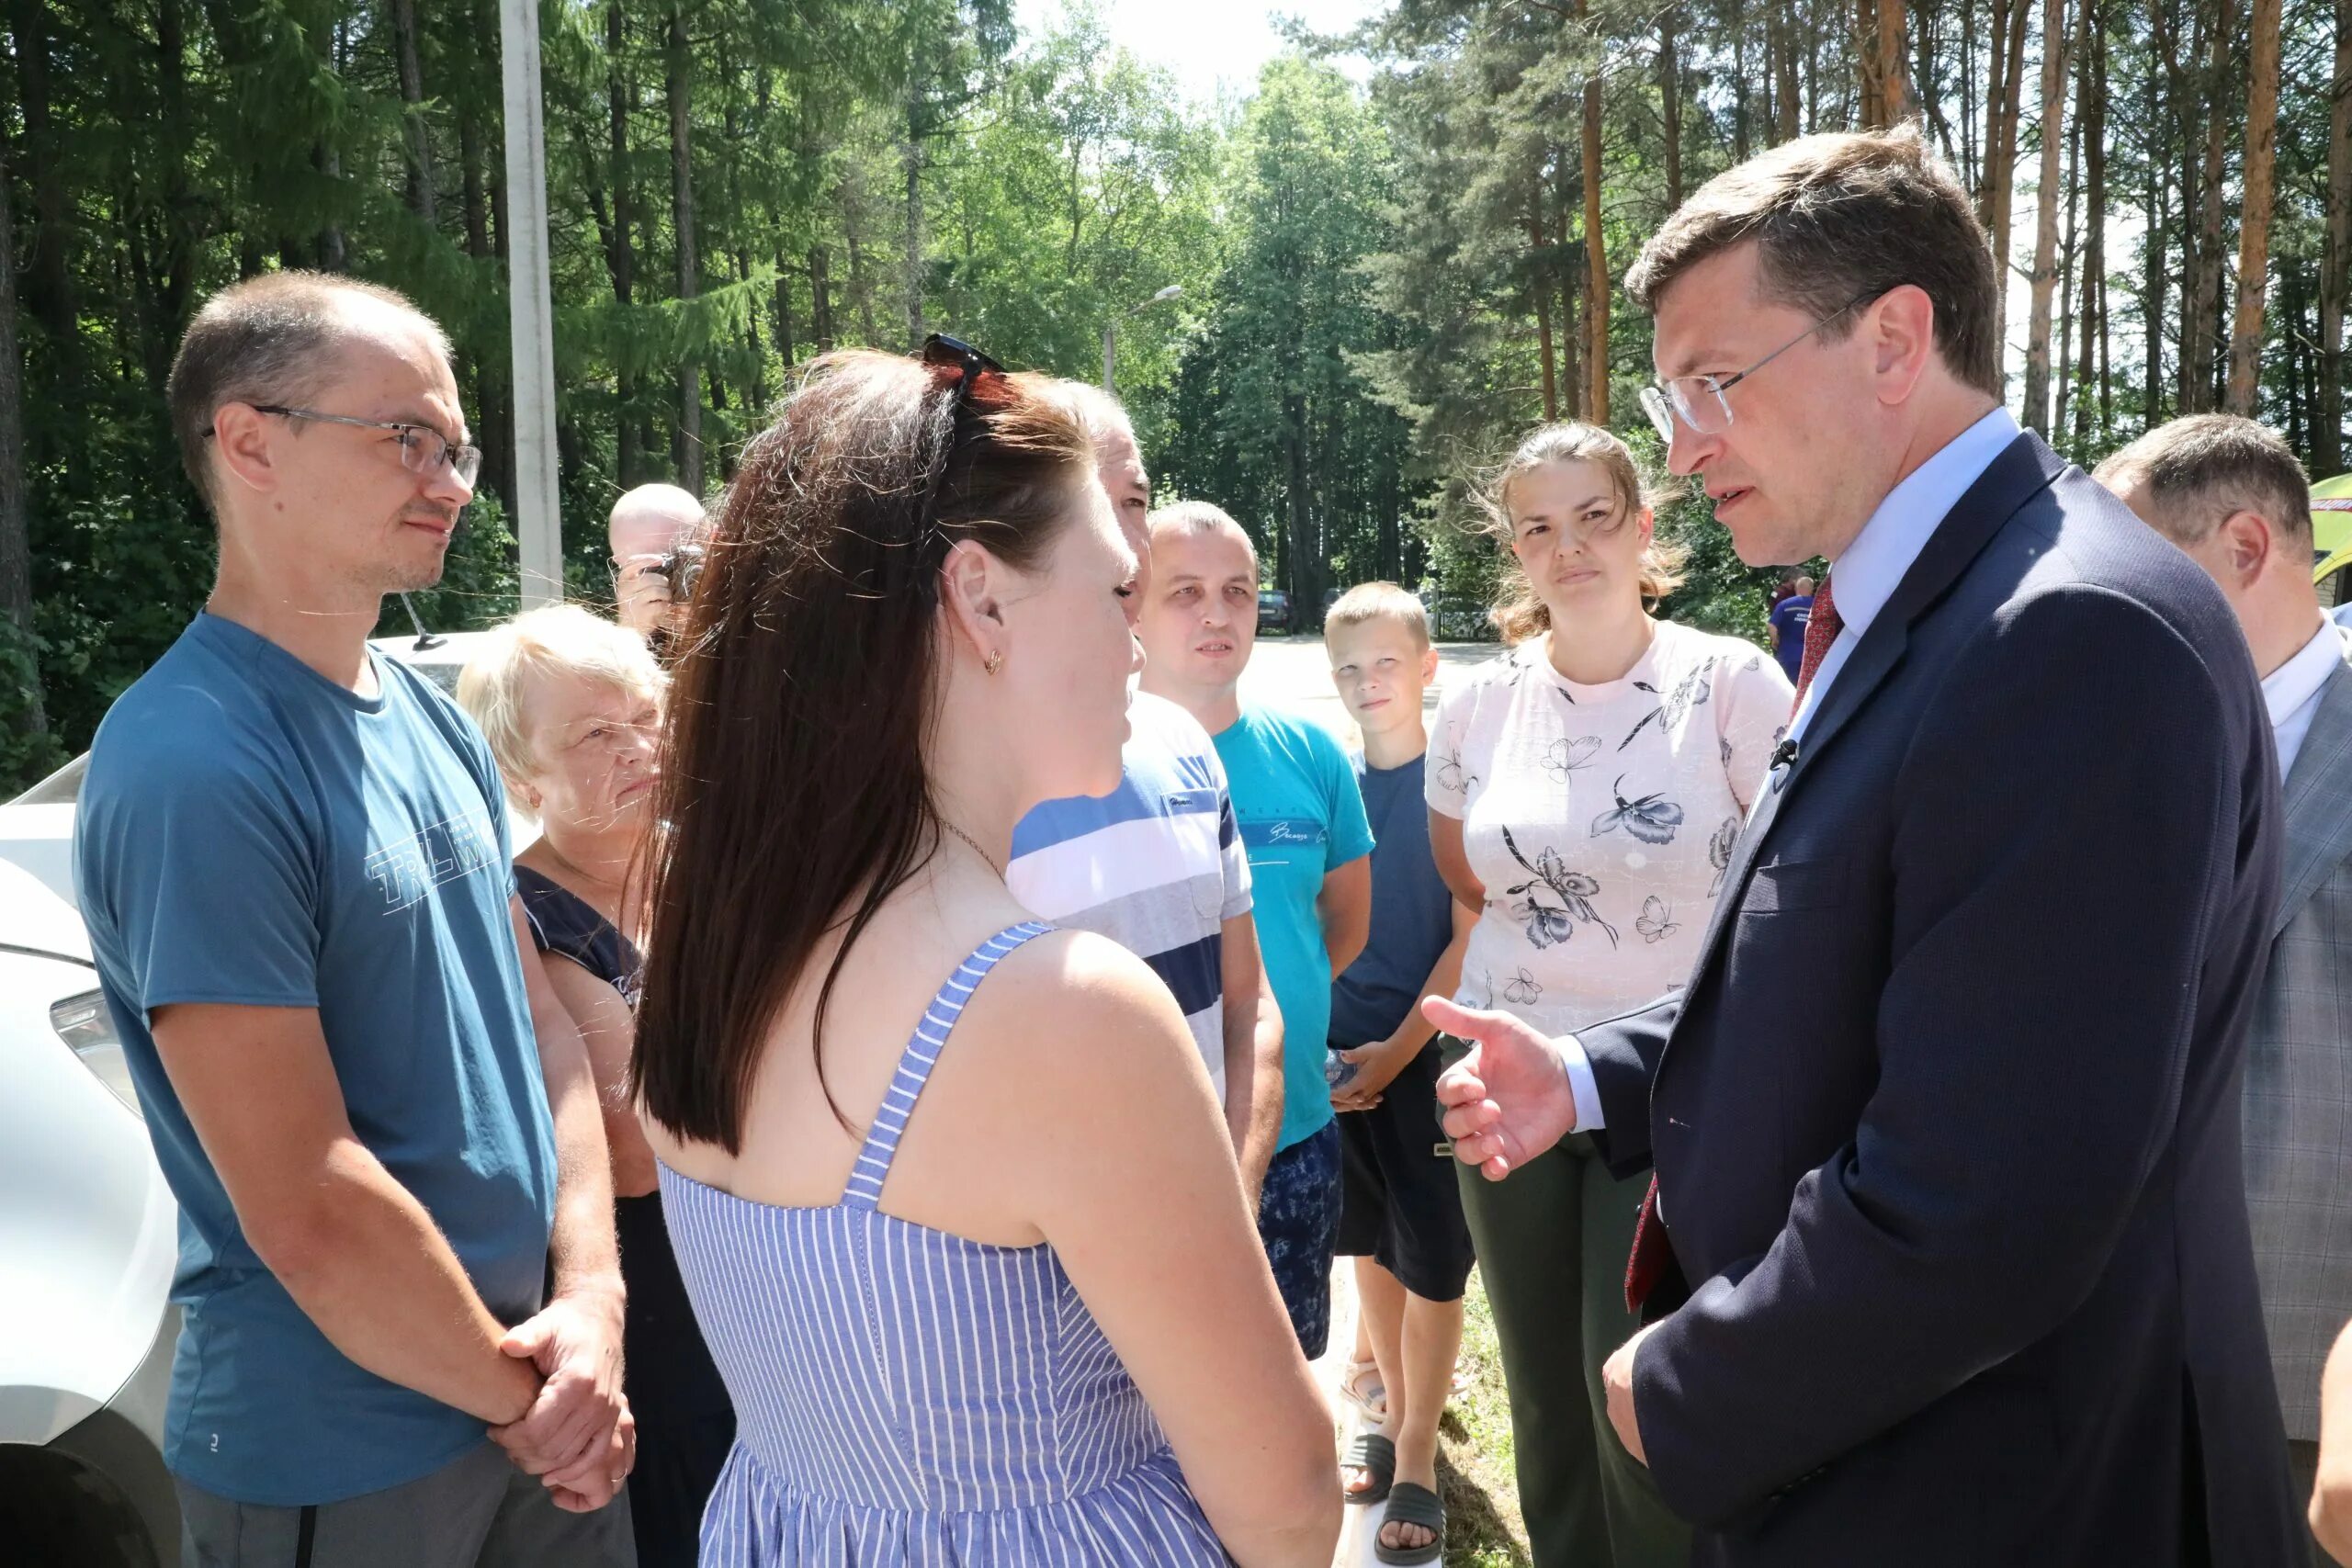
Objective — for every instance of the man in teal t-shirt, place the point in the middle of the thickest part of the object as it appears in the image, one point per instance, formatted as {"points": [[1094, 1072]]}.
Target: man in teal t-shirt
{"points": [[1302, 820], [401, 1299]]}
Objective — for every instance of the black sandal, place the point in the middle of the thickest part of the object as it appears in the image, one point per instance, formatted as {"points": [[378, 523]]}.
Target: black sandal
{"points": [[1375, 1454], [1411, 1504]]}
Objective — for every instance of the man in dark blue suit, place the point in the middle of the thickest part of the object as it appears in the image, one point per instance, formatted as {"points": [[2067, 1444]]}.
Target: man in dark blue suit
{"points": [[1946, 1259]]}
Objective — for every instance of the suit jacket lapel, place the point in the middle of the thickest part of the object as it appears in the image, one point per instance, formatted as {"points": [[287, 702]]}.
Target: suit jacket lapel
{"points": [[2318, 798], [2025, 467]]}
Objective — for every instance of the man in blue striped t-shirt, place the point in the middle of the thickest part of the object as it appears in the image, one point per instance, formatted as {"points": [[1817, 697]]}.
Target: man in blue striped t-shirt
{"points": [[1157, 865]]}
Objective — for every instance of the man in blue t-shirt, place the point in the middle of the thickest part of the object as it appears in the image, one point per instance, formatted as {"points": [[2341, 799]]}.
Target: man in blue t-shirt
{"points": [[1788, 623], [292, 857], [1158, 865], [1302, 820]]}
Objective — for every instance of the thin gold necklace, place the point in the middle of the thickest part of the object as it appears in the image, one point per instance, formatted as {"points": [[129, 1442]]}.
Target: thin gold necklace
{"points": [[985, 858]]}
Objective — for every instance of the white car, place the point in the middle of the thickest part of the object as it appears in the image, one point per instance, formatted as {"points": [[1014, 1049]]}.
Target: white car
{"points": [[89, 1236], [89, 1233]]}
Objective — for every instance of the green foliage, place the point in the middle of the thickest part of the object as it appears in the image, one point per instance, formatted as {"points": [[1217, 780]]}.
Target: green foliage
{"points": [[1379, 280], [1272, 418]]}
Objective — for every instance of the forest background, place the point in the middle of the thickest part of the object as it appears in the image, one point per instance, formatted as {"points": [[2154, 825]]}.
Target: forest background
{"points": [[1387, 273]]}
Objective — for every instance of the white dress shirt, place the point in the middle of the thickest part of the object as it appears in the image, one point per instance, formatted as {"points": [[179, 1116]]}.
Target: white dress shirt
{"points": [[2290, 692], [1865, 577]]}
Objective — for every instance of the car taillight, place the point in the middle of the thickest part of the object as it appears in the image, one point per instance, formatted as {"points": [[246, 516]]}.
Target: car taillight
{"points": [[87, 1029]]}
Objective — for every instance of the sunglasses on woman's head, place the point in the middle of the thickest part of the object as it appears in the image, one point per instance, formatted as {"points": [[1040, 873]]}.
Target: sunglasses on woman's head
{"points": [[942, 352]]}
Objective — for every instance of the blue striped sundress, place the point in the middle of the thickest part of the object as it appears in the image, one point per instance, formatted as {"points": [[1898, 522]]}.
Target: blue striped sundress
{"points": [[906, 1396]]}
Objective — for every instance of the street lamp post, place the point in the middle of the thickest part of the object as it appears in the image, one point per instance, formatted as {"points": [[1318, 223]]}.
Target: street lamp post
{"points": [[1111, 332], [539, 529]]}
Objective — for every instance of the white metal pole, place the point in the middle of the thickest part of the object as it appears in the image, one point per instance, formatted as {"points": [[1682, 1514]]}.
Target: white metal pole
{"points": [[539, 525]]}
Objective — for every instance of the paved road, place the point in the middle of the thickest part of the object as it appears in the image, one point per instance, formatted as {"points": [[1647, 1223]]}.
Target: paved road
{"points": [[1291, 672]]}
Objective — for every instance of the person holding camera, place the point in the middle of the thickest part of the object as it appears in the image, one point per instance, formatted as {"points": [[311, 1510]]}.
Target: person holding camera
{"points": [[655, 535]]}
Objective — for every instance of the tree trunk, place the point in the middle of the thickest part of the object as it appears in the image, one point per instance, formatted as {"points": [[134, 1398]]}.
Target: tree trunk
{"points": [[1989, 171], [820, 297], [2327, 421], [2061, 348], [678, 63], [49, 288], [477, 198], [2205, 310], [1868, 68], [786, 352], [2155, 281], [2091, 85], [1786, 130], [421, 196], [1571, 353], [2045, 229], [331, 254], [2253, 220], [1596, 289], [2183, 96], [620, 253], [1740, 95], [1894, 85], [861, 284], [911, 240], [1670, 99], [2005, 158], [1972, 168], [16, 538], [178, 284], [1539, 284], [621, 257], [756, 401], [1303, 558]]}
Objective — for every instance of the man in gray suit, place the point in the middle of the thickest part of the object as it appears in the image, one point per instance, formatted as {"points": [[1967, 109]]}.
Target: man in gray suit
{"points": [[2229, 492]]}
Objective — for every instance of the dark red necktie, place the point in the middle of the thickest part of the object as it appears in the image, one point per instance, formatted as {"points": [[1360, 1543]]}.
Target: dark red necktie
{"points": [[1652, 1251], [1820, 630]]}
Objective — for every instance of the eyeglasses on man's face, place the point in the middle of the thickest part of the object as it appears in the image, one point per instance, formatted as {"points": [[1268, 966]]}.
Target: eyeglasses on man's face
{"points": [[1698, 402], [424, 450]]}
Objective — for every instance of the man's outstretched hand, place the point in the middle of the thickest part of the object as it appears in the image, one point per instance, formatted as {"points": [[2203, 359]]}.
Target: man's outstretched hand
{"points": [[1508, 1099]]}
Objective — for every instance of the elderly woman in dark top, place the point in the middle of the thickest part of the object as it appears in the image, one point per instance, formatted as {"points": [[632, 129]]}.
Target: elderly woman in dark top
{"points": [[571, 705]]}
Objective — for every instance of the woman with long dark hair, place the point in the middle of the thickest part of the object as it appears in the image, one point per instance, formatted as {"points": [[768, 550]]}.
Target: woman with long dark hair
{"points": [[949, 1191]]}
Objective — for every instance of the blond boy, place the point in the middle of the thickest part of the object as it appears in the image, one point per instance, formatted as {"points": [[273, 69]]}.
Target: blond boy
{"points": [[1401, 1216]]}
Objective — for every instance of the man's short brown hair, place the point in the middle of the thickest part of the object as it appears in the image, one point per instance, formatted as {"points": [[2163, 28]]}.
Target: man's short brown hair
{"points": [[1841, 219], [269, 340], [2196, 471]]}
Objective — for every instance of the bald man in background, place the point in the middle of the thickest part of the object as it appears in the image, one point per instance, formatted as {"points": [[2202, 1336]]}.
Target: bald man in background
{"points": [[648, 524]]}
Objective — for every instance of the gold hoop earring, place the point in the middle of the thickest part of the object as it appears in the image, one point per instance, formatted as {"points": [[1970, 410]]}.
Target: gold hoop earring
{"points": [[994, 662]]}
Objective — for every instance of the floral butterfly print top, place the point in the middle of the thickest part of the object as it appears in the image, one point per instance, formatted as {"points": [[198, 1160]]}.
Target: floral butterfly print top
{"points": [[1600, 818]]}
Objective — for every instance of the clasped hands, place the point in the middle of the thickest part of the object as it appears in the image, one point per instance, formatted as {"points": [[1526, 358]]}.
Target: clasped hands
{"points": [[578, 1437], [1505, 1102]]}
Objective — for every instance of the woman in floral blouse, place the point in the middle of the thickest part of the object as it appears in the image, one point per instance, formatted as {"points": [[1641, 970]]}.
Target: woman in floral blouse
{"points": [[1585, 790]]}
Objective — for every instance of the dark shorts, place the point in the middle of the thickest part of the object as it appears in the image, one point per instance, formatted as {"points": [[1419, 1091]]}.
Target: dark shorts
{"points": [[1403, 1206], [1298, 1220]]}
